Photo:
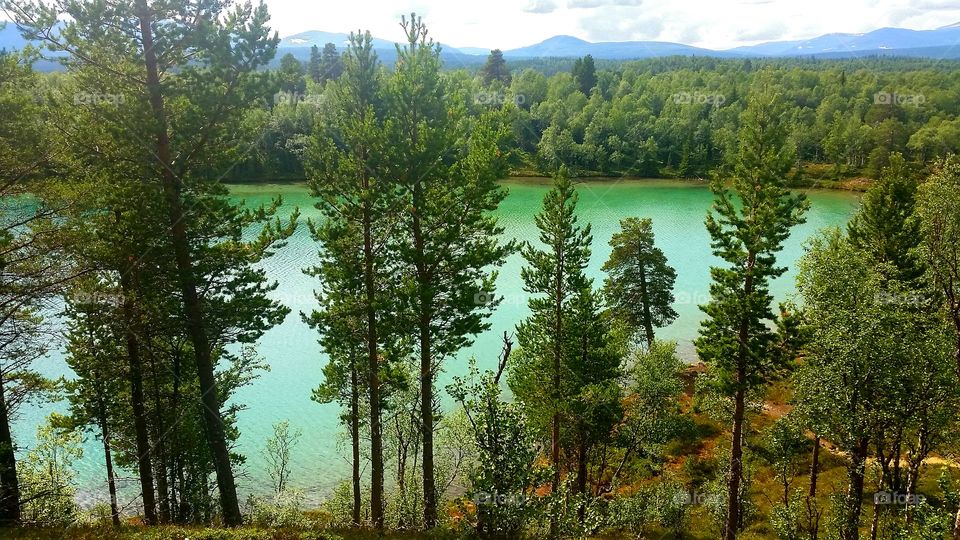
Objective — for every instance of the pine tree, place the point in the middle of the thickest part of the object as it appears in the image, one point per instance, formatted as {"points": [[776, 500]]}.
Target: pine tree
{"points": [[291, 75], [585, 73], [735, 341], [593, 370], [495, 69], [314, 67], [639, 286], [211, 72], [448, 168], [341, 323], [31, 269], [555, 275], [331, 63], [346, 167], [885, 225]]}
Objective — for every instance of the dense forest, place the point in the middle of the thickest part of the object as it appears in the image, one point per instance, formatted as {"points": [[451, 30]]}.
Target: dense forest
{"points": [[833, 417], [671, 117]]}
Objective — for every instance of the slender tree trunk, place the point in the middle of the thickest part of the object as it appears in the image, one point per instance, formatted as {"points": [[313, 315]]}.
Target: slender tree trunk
{"points": [[424, 283], [813, 511], [144, 452], [9, 486], [108, 461], [739, 413], [557, 365], [875, 520], [355, 437], [176, 465], [213, 421], [814, 467], [160, 456], [851, 526], [376, 433], [955, 310], [736, 467], [582, 472], [914, 462]]}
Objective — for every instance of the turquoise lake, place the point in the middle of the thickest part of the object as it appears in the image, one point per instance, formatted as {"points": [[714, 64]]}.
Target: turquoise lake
{"points": [[321, 457]]}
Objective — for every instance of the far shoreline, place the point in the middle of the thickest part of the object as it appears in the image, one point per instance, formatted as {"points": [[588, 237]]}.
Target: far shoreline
{"points": [[850, 185]]}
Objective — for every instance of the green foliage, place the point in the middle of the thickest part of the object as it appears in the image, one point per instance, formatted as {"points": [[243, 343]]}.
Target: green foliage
{"points": [[504, 474], [585, 72], [495, 69], [639, 286], [291, 75], [885, 225], [555, 277], [665, 504], [735, 339], [325, 66], [285, 511], [47, 478], [784, 447]]}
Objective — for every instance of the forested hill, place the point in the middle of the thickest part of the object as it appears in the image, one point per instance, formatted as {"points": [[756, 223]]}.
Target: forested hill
{"points": [[667, 117]]}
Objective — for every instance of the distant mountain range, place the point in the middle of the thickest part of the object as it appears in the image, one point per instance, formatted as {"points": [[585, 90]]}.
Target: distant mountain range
{"points": [[882, 40], [567, 46], [941, 43]]}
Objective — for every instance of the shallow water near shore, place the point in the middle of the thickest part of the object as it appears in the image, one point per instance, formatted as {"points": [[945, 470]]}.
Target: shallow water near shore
{"points": [[321, 457]]}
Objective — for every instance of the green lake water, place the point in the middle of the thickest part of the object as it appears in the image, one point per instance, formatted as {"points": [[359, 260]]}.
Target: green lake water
{"points": [[321, 457]]}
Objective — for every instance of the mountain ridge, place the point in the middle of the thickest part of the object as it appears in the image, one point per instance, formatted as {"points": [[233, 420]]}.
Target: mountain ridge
{"points": [[939, 43]]}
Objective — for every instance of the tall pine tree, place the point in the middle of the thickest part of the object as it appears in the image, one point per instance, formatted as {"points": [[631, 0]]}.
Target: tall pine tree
{"points": [[448, 167], [748, 226]]}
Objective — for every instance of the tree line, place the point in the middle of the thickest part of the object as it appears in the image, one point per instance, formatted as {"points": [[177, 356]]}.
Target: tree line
{"points": [[673, 117]]}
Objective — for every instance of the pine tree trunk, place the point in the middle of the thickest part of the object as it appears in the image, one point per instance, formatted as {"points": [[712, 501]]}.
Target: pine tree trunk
{"points": [[180, 509], [355, 437], [736, 468], [734, 517], [159, 453], [9, 486], [582, 473], [426, 412], [557, 364], [213, 421], [426, 365], [135, 375], [376, 433], [108, 461]]}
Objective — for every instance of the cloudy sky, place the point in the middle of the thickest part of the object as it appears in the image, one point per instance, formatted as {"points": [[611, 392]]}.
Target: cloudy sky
{"points": [[716, 24]]}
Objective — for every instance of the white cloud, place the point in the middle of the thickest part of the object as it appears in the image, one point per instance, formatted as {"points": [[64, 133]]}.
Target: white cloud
{"points": [[716, 24]]}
